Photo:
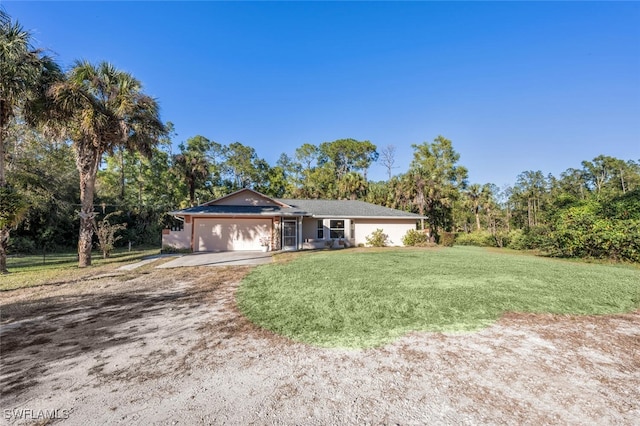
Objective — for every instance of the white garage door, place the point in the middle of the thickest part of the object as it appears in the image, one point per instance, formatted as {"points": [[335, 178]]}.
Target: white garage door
{"points": [[230, 234]]}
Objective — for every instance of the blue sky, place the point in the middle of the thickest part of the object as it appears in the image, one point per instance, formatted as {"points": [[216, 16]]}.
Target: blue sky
{"points": [[515, 85]]}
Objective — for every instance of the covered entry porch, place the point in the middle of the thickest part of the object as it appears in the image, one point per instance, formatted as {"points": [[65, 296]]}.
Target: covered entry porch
{"points": [[290, 231]]}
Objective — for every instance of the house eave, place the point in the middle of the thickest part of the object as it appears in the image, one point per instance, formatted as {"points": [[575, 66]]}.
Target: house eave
{"points": [[367, 217], [205, 214], [290, 214]]}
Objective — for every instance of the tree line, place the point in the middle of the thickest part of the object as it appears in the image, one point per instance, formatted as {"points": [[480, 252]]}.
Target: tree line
{"points": [[77, 146]]}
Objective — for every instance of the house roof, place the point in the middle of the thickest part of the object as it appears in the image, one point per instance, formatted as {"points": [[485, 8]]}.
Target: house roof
{"points": [[346, 208], [240, 191], [295, 207], [230, 210]]}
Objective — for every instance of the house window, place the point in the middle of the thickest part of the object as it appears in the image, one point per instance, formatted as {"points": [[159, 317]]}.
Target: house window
{"points": [[320, 228], [336, 228]]}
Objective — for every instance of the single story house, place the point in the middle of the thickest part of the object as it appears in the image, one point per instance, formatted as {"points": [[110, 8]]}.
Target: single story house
{"points": [[249, 220]]}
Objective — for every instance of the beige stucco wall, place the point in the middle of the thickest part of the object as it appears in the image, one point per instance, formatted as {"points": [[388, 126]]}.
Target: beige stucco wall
{"points": [[394, 228], [178, 239], [309, 228]]}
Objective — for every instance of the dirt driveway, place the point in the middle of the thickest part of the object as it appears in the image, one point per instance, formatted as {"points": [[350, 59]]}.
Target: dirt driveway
{"points": [[169, 347]]}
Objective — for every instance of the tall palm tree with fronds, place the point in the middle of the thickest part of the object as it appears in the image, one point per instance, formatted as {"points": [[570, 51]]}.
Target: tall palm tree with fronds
{"points": [[193, 167], [25, 75], [474, 197], [352, 185], [100, 109]]}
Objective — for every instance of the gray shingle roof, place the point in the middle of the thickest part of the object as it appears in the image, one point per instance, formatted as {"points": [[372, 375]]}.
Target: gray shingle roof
{"points": [[316, 208], [345, 208], [225, 210], [231, 210]]}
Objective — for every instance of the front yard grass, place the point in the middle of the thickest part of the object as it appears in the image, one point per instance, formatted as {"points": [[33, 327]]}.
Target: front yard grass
{"points": [[34, 270], [365, 298]]}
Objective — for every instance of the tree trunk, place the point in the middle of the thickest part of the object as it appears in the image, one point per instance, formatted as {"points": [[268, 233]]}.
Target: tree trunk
{"points": [[122, 174], [140, 185], [477, 219], [3, 181], [600, 181], [192, 191], [87, 161], [4, 232], [4, 242]]}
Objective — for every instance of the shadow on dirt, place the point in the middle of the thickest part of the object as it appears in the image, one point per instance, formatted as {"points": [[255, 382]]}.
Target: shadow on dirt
{"points": [[39, 336]]}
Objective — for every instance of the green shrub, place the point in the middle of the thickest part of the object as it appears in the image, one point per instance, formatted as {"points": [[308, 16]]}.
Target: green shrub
{"points": [[22, 245], [414, 237], [174, 250], [106, 233], [447, 239], [475, 238], [517, 240], [580, 232], [537, 237], [629, 247], [377, 238], [626, 206], [501, 238]]}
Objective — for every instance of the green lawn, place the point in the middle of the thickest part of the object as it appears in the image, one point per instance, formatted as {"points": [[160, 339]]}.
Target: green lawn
{"points": [[29, 271], [364, 298]]}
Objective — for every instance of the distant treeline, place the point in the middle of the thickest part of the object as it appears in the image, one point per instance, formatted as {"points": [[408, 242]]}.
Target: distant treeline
{"points": [[593, 211]]}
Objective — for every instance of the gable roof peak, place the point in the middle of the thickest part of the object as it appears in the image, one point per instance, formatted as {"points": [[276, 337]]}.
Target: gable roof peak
{"points": [[240, 191]]}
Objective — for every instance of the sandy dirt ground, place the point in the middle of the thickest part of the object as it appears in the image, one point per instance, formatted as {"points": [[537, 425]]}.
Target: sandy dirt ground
{"points": [[170, 347]]}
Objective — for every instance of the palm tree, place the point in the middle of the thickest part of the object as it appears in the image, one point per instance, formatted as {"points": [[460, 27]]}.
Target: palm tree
{"points": [[102, 108], [474, 194], [25, 75], [193, 168], [352, 185]]}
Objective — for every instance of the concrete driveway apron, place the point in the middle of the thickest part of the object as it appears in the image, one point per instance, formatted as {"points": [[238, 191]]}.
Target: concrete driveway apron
{"points": [[226, 258]]}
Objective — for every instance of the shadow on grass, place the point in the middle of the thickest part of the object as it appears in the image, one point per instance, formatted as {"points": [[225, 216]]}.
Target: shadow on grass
{"points": [[70, 259], [42, 261]]}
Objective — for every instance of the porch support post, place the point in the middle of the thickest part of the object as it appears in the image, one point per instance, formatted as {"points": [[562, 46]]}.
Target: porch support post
{"points": [[281, 230], [277, 233], [299, 234]]}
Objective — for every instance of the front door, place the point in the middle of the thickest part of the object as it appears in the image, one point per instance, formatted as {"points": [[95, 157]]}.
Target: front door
{"points": [[290, 235]]}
